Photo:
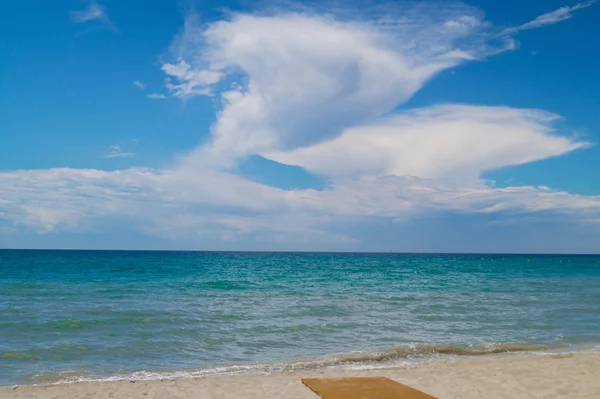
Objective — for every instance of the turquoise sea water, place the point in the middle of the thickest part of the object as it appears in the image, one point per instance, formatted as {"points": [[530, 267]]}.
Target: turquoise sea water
{"points": [[78, 315]]}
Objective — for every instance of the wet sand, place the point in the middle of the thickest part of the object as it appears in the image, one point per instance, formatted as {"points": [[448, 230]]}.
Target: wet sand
{"points": [[573, 376]]}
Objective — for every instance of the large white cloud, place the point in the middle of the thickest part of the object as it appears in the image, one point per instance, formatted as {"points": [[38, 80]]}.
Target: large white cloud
{"points": [[453, 143], [303, 78], [176, 206]]}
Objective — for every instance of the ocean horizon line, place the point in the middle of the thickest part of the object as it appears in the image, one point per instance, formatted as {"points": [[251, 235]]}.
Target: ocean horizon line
{"points": [[303, 252]]}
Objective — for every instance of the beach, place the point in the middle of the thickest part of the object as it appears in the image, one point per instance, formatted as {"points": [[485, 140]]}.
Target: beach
{"points": [[567, 375]]}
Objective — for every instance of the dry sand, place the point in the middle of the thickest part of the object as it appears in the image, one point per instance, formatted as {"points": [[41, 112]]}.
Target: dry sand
{"points": [[572, 376]]}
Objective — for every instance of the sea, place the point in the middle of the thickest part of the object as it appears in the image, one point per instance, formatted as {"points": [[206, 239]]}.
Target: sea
{"points": [[69, 316]]}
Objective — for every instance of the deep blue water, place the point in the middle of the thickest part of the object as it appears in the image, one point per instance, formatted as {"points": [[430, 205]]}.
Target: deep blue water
{"points": [[101, 314]]}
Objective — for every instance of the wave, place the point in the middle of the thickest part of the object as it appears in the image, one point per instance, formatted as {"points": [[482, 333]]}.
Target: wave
{"points": [[437, 350], [400, 355]]}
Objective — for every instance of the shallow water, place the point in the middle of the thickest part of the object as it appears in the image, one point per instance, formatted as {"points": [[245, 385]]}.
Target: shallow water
{"points": [[68, 315]]}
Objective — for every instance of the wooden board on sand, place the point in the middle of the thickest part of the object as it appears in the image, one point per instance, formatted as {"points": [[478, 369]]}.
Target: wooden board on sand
{"points": [[362, 388]]}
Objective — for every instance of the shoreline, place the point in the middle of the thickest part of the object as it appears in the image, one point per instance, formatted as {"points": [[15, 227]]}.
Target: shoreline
{"points": [[399, 356], [548, 375]]}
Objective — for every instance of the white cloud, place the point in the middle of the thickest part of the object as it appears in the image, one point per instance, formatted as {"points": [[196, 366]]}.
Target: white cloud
{"points": [[452, 143], [181, 205], [550, 18], [94, 11], [395, 196], [157, 96], [75, 199], [45, 220], [115, 151], [463, 23], [138, 84], [317, 75], [191, 81], [320, 75]]}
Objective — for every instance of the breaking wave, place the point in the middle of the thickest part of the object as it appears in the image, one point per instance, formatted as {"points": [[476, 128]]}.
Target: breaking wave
{"points": [[401, 355]]}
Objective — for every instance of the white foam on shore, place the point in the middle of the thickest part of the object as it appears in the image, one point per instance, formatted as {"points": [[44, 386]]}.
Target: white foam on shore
{"points": [[398, 356]]}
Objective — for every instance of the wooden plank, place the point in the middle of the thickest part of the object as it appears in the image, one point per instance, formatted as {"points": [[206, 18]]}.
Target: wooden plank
{"points": [[362, 388]]}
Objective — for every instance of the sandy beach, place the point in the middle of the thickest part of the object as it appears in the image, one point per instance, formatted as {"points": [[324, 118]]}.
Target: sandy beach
{"points": [[574, 376]]}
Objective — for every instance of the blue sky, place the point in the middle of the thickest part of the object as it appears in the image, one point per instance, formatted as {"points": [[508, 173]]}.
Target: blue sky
{"points": [[402, 126]]}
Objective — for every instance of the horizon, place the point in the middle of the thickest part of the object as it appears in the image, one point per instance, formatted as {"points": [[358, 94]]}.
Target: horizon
{"points": [[208, 251]]}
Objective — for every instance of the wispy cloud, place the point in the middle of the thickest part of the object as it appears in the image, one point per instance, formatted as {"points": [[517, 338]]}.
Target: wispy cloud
{"points": [[94, 12], [115, 151], [139, 84], [550, 18], [157, 96], [189, 81]]}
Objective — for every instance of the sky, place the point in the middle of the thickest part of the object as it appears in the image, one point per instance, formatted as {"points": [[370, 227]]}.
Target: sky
{"points": [[401, 126]]}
